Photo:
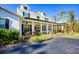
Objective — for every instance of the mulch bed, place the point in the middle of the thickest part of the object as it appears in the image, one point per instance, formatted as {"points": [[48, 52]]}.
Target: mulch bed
{"points": [[10, 46]]}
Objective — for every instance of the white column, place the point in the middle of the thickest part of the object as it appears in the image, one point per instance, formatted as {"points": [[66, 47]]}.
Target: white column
{"points": [[41, 27], [47, 29], [51, 28], [33, 28], [62, 27], [20, 27]]}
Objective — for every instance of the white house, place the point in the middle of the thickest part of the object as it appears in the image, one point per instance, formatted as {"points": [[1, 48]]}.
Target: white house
{"points": [[9, 20], [13, 21]]}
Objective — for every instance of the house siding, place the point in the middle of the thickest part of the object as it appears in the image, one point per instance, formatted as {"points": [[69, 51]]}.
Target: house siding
{"points": [[35, 15], [13, 19]]}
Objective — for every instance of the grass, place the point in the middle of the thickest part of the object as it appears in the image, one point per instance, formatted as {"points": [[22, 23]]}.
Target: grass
{"points": [[41, 38], [70, 35], [45, 37]]}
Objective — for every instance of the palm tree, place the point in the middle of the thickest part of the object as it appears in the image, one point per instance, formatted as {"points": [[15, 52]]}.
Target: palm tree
{"points": [[71, 20], [70, 15], [55, 20], [63, 15], [60, 16], [62, 12]]}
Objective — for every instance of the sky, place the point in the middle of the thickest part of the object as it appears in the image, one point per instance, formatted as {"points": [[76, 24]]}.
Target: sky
{"points": [[50, 9]]}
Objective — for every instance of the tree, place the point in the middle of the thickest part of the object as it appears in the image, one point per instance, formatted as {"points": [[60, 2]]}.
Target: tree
{"points": [[62, 12], [71, 20], [63, 15]]}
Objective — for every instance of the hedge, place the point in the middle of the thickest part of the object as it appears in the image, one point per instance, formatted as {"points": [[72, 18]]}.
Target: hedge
{"points": [[9, 37]]}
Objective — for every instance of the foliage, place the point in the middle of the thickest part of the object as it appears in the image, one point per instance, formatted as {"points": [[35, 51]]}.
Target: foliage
{"points": [[27, 35], [59, 28], [26, 29], [62, 12], [42, 38], [21, 39], [71, 20], [9, 36], [69, 16], [37, 32], [67, 29], [26, 32]]}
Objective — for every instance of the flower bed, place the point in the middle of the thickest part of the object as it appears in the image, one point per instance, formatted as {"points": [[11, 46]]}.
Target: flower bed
{"points": [[41, 38]]}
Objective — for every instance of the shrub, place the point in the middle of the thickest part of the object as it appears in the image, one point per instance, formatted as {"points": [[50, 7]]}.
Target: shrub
{"points": [[62, 31], [41, 38], [36, 39], [27, 35], [21, 39], [37, 32], [9, 36], [55, 32]]}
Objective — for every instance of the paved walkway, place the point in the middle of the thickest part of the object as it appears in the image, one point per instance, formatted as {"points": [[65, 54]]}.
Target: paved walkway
{"points": [[55, 46]]}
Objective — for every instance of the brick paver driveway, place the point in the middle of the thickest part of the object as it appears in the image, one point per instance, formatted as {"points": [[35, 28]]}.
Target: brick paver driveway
{"points": [[57, 46]]}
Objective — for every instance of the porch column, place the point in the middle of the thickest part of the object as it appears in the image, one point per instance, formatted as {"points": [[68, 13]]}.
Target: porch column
{"points": [[47, 29], [62, 27], [56, 28], [33, 28], [20, 27], [51, 28], [41, 27]]}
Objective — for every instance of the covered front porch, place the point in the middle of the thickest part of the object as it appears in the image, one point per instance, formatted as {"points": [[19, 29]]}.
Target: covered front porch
{"points": [[33, 25]]}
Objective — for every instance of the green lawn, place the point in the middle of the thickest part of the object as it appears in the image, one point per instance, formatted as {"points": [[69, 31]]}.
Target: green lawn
{"points": [[70, 35]]}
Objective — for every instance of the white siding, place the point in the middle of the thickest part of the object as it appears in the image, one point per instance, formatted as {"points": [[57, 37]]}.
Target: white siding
{"points": [[34, 15], [13, 20]]}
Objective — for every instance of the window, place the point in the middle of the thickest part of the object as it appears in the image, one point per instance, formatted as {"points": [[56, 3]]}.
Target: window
{"points": [[38, 17], [43, 28], [26, 14], [25, 8], [46, 19], [44, 13], [23, 14], [49, 28], [2, 23], [7, 23]]}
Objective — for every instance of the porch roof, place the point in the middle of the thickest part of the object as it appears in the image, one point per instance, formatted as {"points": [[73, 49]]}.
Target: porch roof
{"points": [[62, 24], [40, 20]]}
